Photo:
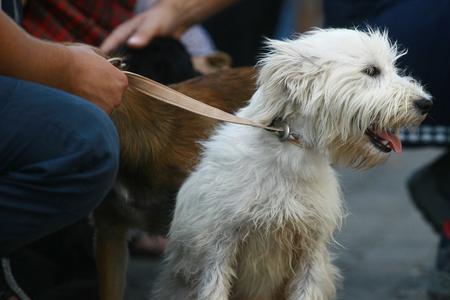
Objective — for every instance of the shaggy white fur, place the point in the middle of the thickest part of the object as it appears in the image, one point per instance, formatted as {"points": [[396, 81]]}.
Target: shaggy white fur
{"points": [[255, 219]]}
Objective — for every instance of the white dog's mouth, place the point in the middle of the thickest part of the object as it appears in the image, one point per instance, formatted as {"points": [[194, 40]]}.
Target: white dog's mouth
{"points": [[385, 141]]}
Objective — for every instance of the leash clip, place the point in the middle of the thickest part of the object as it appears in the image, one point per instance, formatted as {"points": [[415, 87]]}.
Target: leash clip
{"points": [[286, 133], [117, 62]]}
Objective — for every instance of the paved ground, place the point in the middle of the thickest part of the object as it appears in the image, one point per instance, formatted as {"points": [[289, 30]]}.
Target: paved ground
{"points": [[386, 249]]}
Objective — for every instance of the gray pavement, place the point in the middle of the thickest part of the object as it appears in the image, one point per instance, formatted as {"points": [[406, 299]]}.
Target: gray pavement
{"points": [[386, 249]]}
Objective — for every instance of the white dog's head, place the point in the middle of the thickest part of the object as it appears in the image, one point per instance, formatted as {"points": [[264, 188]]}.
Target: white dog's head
{"points": [[340, 90]]}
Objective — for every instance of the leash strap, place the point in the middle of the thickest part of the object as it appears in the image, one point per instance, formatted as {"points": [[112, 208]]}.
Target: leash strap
{"points": [[165, 94], [170, 96]]}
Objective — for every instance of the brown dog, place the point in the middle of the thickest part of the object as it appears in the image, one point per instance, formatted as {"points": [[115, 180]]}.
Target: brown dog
{"points": [[159, 147]]}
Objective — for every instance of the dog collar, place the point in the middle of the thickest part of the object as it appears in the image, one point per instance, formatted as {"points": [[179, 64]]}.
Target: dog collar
{"points": [[287, 135]]}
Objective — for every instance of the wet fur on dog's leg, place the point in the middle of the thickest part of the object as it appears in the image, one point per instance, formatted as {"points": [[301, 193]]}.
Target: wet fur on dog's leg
{"points": [[316, 280], [216, 267], [111, 251], [215, 282], [217, 272]]}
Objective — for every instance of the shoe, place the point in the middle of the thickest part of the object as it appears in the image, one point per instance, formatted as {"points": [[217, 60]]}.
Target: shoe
{"points": [[439, 288], [429, 189], [9, 289]]}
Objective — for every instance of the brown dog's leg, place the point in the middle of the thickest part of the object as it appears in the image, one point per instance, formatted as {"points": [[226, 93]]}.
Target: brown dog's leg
{"points": [[112, 259]]}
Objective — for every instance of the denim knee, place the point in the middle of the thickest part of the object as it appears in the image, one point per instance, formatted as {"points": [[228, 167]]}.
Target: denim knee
{"points": [[59, 156], [97, 143], [81, 160]]}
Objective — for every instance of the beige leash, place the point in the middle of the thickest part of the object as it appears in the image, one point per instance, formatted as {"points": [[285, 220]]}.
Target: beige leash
{"points": [[170, 96]]}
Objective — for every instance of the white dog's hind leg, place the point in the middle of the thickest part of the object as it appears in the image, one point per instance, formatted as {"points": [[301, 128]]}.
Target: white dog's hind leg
{"points": [[316, 279]]}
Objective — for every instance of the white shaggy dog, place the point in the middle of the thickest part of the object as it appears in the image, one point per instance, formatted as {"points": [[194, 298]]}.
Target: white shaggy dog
{"points": [[256, 217]]}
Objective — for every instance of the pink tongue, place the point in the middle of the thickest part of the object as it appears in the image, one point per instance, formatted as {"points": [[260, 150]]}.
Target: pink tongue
{"points": [[393, 140]]}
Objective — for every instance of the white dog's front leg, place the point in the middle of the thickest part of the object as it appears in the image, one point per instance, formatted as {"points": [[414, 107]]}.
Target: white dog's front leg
{"points": [[315, 279], [215, 279]]}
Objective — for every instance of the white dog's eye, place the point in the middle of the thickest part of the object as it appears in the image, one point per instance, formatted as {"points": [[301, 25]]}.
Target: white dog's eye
{"points": [[372, 71]]}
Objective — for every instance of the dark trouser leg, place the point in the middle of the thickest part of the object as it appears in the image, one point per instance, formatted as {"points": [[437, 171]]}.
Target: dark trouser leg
{"points": [[58, 159]]}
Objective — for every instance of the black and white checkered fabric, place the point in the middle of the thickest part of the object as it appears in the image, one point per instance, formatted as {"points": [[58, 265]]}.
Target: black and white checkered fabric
{"points": [[426, 135]]}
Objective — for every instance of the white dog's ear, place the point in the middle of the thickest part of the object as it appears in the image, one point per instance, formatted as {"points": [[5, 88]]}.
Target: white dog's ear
{"points": [[286, 76], [288, 63]]}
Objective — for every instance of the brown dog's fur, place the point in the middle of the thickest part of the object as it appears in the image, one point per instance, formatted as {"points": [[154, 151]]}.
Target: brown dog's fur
{"points": [[159, 146]]}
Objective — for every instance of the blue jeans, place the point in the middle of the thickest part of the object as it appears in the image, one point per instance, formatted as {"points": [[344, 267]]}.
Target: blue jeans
{"points": [[59, 157]]}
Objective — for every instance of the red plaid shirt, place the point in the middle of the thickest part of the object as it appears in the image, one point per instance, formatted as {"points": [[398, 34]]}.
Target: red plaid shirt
{"points": [[86, 21]]}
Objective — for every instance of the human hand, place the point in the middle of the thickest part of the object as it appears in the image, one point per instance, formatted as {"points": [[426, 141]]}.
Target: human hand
{"points": [[163, 19], [92, 77]]}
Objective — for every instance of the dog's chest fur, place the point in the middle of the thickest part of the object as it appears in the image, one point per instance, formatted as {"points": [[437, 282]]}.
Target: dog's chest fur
{"points": [[273, 251], [265, 263], [280, 204]]}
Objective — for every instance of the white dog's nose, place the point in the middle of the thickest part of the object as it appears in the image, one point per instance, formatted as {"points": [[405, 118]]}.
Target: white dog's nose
{"points": [[424, 105]]}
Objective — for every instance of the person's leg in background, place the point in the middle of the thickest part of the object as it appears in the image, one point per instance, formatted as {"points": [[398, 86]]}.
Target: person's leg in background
{"points": [[59, 156], [240, 29], [298, 16], [288, 20], [429, 189], [423, 28]]}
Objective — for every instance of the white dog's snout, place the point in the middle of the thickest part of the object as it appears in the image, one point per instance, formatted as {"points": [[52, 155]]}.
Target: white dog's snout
{"points": [[424, 105]]}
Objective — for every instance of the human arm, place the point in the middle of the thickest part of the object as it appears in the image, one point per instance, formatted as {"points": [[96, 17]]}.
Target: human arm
{"points": [[166, 18], [75, 69]]}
